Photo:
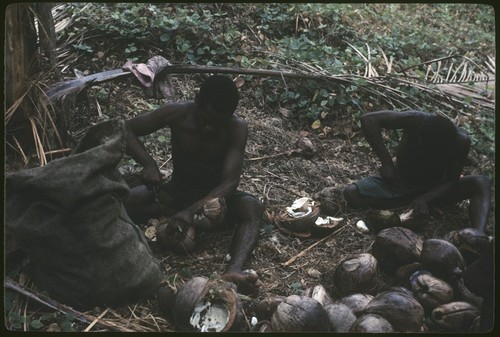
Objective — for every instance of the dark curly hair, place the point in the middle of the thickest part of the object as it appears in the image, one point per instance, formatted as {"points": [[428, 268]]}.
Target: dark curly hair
{"points": [[221, 92]]}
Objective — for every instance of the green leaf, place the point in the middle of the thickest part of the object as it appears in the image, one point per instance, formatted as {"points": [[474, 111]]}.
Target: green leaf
{"points": [[36, 324]]}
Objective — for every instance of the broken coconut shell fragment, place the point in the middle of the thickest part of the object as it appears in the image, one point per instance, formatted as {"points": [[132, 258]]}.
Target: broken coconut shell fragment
{"points": [[371, 323], [400, 308], [397, 246], [318, 293], [442, 259], [300, 314], [456, 316], [356, 274]]}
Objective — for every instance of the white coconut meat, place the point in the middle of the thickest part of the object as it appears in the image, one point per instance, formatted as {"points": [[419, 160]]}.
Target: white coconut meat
{"points": [[300, 207], [209, 317]]}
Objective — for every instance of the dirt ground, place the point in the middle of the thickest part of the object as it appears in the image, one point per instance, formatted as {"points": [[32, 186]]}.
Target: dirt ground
{"points": [[277, 174]]}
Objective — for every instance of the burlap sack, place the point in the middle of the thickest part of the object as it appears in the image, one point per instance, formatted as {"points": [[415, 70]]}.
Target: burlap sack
{"points": [[69, 218]]}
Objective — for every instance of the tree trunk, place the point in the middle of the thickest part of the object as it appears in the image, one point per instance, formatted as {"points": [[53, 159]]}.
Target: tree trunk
{"points": [[20, 64]]}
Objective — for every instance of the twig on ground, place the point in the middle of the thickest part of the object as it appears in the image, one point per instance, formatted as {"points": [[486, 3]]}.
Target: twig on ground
{"points": [[302, 253]]}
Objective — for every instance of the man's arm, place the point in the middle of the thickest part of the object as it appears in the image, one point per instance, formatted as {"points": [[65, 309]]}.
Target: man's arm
{"points": [[232, 166], [144, 125], [372, 124], [453, 173]]}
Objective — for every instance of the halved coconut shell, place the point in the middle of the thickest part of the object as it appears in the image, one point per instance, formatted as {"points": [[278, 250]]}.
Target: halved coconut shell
{"points": [[218, 308], [185, 300], [301, 224]]}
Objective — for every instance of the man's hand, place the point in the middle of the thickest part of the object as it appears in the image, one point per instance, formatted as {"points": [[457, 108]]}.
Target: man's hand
{"points": [[151, 176], [388, 172], [180, 222], [420, 206]]}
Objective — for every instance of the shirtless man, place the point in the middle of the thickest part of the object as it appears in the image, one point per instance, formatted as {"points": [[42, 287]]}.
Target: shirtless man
{"points": [[429, 162], [208, 145]]}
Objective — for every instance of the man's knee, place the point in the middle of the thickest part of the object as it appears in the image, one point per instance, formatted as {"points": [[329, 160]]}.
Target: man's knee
{"points": [[351, 195], [478, 184]]}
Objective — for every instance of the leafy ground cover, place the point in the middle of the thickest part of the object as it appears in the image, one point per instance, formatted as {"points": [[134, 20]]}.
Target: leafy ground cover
{"points": [[378, 47]]}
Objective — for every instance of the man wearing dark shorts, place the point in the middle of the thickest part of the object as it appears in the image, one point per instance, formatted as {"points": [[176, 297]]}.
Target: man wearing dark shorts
{"points": [[208, 145], [428, 170]]}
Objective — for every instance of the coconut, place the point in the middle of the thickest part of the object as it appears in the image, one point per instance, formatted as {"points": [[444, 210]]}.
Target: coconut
{"points": [[429, 290], [218, 308], [341, 317], [319, 294], [400, 308], [397, 246], [262, 326], [356, 302], [185, 300], [356, 274], [442, 259], [266, 307], [300, 314], [331, 199], [471, 243], [178, 242], [455, 316], [371, 323]]}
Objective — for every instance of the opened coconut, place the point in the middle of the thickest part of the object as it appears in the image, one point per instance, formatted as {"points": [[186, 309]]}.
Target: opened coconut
{"points": [[397, 246], [300, 314], [218, 308], [300, 217], [212, 213], [400, 308], [341, 317], [371, 323], [442, 259], [180, 242], [356, 274], [185, 300]]}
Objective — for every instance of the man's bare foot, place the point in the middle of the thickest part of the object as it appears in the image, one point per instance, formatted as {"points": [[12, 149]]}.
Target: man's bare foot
{"points": [[246, 281]]}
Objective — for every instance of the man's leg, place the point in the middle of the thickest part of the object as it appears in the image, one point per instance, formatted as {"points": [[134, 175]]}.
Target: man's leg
{"points": [[355, 199], [143, 204], [478, 190], [247, 213]]}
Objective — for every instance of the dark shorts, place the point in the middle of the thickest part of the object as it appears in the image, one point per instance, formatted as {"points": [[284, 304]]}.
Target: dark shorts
{"points": [[183, 196], [377, 188]]}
